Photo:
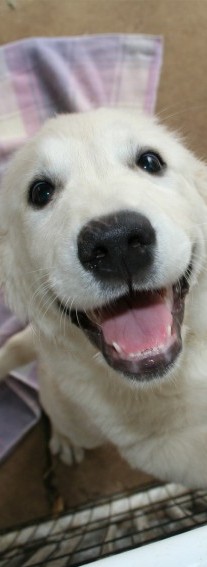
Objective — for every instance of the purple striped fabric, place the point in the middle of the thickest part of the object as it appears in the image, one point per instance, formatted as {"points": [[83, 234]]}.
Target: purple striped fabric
{"points": [[40, 77]]}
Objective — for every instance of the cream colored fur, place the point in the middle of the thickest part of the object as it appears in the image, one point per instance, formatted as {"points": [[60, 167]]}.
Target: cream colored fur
{"points": [[160, 427]]}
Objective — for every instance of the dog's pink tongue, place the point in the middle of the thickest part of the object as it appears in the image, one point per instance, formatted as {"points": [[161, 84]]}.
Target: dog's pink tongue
{"points": [[144, 325]]}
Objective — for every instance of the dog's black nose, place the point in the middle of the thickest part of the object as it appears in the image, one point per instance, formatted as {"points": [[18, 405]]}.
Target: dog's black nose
{"points": [[117, 246]]}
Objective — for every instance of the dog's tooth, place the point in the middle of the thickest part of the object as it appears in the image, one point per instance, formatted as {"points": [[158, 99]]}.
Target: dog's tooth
{"points": [[116, 347], [169, 331]]}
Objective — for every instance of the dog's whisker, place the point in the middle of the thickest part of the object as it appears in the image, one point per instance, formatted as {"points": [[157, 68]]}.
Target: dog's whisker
{"points": [[180, 111], [39, 294], [48, 306], [64, 315], [93, 315], [96, 356], [77, 317], [38, 297], [36, 332], [37, 270]]}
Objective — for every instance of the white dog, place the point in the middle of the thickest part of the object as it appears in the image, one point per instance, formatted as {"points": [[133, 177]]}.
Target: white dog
{"points": [[103, 247]]}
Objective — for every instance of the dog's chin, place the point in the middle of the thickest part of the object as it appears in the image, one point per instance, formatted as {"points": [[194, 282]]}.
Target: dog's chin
{"points": [[139, 334]]}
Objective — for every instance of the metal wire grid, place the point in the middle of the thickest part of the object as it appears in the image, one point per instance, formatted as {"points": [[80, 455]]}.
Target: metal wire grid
{"points": [[106, 527]]}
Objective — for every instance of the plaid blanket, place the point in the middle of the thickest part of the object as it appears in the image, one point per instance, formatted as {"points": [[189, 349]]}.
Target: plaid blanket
{"points": [[40, 77]]}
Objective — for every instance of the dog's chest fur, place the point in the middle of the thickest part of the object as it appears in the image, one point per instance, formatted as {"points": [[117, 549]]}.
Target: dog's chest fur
{"points": [[97, 407]]}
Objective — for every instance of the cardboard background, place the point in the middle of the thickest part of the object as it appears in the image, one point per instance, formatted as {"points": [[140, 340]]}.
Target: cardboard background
{"points": [[183, 24]]}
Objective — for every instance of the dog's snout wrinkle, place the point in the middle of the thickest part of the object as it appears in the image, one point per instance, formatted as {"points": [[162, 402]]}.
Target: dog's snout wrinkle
{"points": [[118, 244]]}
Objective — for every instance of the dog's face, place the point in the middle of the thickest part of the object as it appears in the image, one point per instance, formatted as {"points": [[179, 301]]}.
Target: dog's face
{"points": [[102, 223]]}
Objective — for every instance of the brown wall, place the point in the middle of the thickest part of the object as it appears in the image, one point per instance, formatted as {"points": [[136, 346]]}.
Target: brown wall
{"points": [[182, 99]]}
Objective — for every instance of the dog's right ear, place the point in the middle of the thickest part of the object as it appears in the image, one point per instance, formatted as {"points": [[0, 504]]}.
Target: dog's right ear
{"points": [[11, 277]]}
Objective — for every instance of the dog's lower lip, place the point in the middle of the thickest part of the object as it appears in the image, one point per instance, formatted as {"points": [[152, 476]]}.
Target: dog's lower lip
{"points": [[152, 362], [150, 365]]}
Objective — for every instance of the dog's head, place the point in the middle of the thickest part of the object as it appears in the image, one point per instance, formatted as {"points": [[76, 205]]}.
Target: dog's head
{"points": [[102, 223]]}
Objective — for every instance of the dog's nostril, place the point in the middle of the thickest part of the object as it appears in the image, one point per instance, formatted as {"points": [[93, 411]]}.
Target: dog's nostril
{"points": [[134, 242], [100, 252]]}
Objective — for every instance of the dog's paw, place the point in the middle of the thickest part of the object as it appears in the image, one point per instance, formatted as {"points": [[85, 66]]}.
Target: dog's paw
{"points": [[66, 451]]}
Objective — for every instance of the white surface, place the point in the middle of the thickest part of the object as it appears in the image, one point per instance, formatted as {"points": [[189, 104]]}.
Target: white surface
{"points": [[185, 550]]}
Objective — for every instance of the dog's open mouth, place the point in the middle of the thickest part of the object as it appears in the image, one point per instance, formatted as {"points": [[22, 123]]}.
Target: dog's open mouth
{"points": [[138, 334]]}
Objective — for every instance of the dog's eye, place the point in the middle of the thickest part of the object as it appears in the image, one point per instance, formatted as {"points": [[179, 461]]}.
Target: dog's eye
{"points": [[150, 162], [40, 193]]}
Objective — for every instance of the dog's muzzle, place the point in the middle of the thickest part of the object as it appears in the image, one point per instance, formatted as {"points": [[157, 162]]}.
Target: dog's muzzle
{"points": [[139, 333]]}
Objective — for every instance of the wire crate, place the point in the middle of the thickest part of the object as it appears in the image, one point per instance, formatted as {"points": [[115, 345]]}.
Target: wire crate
{"points": [[106, 527]]}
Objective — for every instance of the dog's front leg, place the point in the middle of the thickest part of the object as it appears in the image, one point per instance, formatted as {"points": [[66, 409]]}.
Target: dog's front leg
{"points": [[72, 427], [17, 351], [61, 446]]}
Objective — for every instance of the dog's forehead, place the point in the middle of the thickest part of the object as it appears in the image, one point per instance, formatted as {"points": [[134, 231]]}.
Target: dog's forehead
{"points": [[90, 136], [102, 124], [105, 135]]}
